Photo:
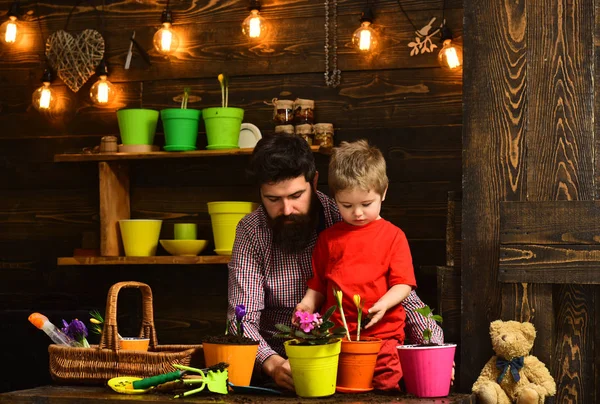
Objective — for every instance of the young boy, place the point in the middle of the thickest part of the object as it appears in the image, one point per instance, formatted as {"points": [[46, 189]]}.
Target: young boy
{"points": [[365, 255]]}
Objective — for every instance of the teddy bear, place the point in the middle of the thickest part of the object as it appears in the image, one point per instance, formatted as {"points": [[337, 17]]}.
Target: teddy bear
{"points": [[512, 375]]}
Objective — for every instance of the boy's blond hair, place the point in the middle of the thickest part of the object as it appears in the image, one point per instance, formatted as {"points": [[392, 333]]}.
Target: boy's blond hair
{"points": [[357, 165]]}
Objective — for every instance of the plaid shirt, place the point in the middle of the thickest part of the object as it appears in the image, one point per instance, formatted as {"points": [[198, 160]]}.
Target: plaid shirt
{"points": [[270, 282]]}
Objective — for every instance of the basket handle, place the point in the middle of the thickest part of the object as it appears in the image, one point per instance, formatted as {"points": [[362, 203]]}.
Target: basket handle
{"points": [[110, 333]]}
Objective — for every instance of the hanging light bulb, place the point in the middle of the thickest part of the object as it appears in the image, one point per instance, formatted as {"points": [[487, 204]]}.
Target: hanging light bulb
{"points": [[166, 40], [365, 38], [10, 31], [254, 26], [43, 99], [102, 92], [450, 56]]}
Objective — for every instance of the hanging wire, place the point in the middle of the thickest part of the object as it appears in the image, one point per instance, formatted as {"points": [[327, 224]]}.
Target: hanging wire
{"points": [[444, 12], [406, 15], [410, 21], [77, 3]]}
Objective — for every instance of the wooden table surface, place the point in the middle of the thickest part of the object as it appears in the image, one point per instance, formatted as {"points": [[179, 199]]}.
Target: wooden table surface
{"points": [[103, 395]]}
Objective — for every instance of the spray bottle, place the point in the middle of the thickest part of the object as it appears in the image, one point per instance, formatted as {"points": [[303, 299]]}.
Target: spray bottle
{"points": [[59, 337]]}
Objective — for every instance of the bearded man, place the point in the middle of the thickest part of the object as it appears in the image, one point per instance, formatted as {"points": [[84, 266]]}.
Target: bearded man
{"points": [[271, 257]]}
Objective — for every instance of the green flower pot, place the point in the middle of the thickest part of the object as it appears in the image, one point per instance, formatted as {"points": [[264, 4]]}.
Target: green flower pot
{"points": [[181, 128], [137, 126], [223, 127]]}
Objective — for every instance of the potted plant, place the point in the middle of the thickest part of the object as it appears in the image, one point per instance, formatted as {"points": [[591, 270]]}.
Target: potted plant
{"points": [[427, 367], [233, 348], [313, 351], [357, 357], [180, 125], [223, 124]]}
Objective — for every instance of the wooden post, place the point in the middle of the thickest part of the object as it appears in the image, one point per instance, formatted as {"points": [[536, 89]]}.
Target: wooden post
{"points": [[114, 205]]}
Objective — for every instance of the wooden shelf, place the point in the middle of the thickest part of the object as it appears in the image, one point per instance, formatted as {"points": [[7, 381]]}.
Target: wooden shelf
{"points": [[75, 157], [157, 260]]}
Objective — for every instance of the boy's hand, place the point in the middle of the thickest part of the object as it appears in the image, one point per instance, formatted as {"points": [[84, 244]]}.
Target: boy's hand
{"points": [[376, 313], [300, 307]]}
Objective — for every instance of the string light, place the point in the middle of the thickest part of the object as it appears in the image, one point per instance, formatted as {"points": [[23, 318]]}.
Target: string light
{"points": [[254, 26], [166, 41], [365, 38], [450, 56], [10, 31], [44, 99], [102, 91]]}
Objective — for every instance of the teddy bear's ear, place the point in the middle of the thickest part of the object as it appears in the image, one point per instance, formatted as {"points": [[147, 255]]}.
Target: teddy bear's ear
{"points": [[528, 330], [495, 326]]}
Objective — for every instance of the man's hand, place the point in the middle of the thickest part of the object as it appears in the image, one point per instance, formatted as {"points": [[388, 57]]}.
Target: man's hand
{"points": [[279, 370], [376, 313]]}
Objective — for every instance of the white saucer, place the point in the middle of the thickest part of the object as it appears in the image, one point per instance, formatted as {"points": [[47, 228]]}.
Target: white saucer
{"points": [[249, 136]]}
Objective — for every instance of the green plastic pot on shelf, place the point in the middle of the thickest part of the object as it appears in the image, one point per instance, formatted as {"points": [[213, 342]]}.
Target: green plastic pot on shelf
{"points": [[223, 127], [137, 126], [181, 128]]}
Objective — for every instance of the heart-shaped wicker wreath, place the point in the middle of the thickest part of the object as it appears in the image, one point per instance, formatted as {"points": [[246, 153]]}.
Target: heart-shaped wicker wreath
{"points": [[75, 58]]}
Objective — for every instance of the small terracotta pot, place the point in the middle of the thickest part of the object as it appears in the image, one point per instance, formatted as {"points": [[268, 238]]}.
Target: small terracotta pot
{"points": [[240, 358], [357, 365]]}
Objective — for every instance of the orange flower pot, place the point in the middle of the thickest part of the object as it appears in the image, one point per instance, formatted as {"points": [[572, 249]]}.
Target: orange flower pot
{"points": [[240, 358], [357, 365]]}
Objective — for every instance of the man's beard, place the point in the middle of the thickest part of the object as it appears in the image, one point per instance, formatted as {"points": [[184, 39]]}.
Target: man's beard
{"points": [[293, 233]]}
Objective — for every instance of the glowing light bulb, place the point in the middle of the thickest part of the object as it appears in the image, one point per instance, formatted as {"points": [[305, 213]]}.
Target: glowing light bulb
{"points": [[365, 39], [43, 99], [450, 56], [102, 92], [254, 26], [10, 31], [166, 40]]}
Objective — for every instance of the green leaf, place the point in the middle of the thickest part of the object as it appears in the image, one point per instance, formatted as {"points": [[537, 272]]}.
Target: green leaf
{"points": [[326, 325], [283, 327], [339, 330], [424, 311], [437, 318], [328, 313], [426, 335], [301, 334]]}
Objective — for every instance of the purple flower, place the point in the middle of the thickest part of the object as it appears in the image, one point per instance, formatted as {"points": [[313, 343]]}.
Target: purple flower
{"points": [[240, 312], [76, 330]]}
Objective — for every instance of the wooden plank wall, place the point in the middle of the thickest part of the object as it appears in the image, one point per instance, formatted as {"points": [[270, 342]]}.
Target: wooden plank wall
{"points": [[530, 137], [407, 106]]}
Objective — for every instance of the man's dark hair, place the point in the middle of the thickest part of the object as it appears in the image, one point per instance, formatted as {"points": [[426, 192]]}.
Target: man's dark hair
{"points": [[281, 157]]}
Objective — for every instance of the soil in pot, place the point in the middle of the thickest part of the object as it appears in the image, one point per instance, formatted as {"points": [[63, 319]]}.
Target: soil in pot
{"points": [[229, 339]]}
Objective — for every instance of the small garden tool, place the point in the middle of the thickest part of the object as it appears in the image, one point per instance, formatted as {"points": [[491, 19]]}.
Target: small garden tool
{"points": [[215, 378], [123, 385]]}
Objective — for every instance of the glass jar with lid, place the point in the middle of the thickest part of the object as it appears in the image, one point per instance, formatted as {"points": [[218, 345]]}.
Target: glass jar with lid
{"points": [[323, 135], [283, 111], [304, 111], [305, 131], [284, 130]]}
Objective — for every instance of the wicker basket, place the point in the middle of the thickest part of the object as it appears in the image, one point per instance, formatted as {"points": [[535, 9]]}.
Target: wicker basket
{"points": [[106, 360]]}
